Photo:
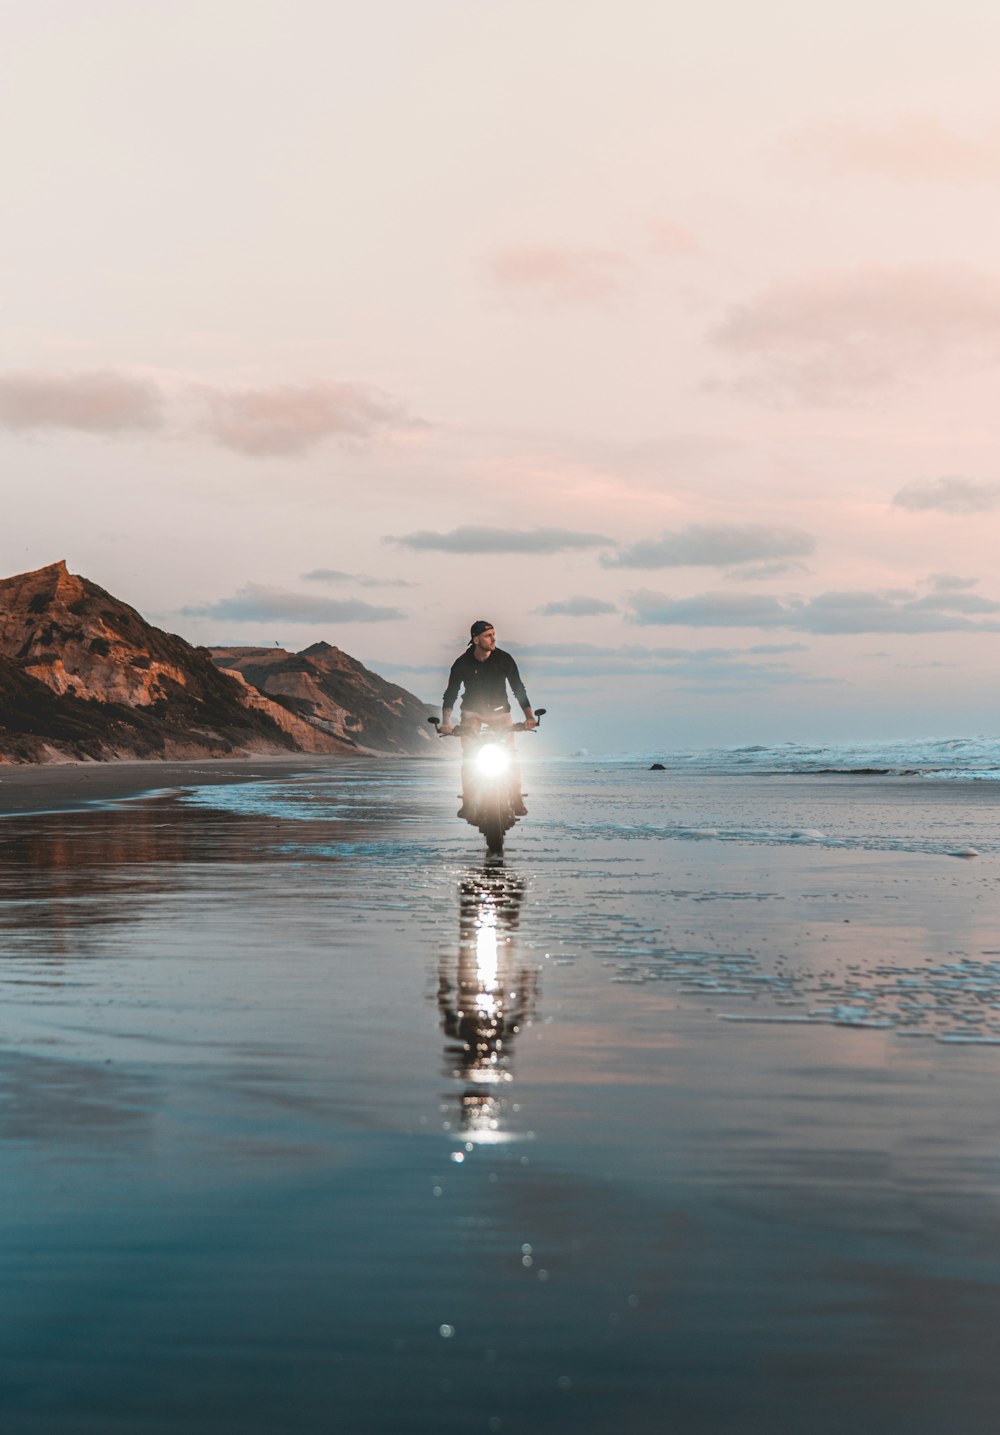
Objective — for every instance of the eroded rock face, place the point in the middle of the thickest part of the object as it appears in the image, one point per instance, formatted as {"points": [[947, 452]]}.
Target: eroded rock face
{"points": [[76, 638], [83, 675], [336, 694]]}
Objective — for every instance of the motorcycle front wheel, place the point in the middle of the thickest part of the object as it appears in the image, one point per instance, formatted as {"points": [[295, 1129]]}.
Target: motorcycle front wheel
{"points": [[493, 830], [495, 817]]}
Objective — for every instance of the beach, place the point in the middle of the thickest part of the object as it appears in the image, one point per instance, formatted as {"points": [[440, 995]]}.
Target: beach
{"points": [[683, 1118], [26, 787]]}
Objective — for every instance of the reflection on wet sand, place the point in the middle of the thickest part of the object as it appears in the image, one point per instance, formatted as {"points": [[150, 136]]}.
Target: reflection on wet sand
{"points": [[54, 1103], [67, 876], [486, 994], [62, 869], [218, 1117]]}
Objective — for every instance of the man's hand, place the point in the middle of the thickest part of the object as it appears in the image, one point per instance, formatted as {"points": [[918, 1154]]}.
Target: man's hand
{"points": [[530, 721], [445, 728]]}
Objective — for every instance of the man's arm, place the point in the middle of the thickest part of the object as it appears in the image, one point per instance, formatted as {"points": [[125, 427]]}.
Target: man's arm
{"points": [[518, 689], [450, 696]]}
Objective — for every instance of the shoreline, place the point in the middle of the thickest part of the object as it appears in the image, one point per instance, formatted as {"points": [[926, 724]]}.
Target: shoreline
{"points": [[34, 789], [66, 787]]}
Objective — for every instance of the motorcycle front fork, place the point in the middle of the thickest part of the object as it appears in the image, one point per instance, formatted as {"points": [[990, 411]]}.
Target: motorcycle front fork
{"points": [[469, 784]]}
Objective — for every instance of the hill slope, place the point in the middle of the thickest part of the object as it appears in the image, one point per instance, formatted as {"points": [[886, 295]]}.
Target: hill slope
{"points": [[336, 693], [83, 675]]}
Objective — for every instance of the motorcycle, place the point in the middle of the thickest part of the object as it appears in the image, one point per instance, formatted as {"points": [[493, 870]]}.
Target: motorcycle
{"points": [[489, 775]]}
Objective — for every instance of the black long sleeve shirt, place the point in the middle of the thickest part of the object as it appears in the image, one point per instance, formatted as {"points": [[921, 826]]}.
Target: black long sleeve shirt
{"points": [[485, 683]]}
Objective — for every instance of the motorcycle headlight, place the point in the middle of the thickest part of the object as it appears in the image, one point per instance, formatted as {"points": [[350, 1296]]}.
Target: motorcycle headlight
{"points": [[492, 760]]}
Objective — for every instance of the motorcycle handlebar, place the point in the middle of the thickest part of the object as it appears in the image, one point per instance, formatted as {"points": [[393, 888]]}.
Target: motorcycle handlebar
{"points": [[514, 727]]}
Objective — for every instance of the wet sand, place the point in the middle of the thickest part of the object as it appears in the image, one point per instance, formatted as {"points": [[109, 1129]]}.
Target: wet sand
{"points": [[684, 1118], [61, 787]]}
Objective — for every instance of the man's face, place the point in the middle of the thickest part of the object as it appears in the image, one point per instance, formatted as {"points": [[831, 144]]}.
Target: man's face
{"points": [[485, 642]]}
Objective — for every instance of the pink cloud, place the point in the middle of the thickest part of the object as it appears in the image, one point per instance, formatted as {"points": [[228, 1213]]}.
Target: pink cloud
{"points": [[289, 419], [836, 336], [100, 401], [673, 239], [560, 275], [911, 147]]}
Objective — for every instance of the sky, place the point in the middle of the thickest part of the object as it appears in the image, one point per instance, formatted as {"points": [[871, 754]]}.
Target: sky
{"points": [[663, 337]]}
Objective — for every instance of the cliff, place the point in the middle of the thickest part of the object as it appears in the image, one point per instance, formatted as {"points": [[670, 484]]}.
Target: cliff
{"points": [[336, 694], [83, 675]]}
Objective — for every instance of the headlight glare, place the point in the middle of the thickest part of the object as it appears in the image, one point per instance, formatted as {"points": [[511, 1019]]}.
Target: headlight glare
{"points": [[492, 760]]}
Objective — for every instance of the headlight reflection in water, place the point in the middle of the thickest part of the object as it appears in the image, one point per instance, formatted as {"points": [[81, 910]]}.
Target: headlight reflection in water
{"points": [[485, 995]]}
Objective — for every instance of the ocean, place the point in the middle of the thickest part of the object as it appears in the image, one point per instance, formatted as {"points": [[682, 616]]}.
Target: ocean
{"points": [[682, 1118], [959, 758]]}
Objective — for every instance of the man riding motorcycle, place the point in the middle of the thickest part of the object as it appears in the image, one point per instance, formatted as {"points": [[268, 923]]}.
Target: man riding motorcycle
{"points": [[483, 672]]}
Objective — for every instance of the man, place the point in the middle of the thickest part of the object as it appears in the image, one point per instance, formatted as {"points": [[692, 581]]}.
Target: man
{"points": [[483, 672]]}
